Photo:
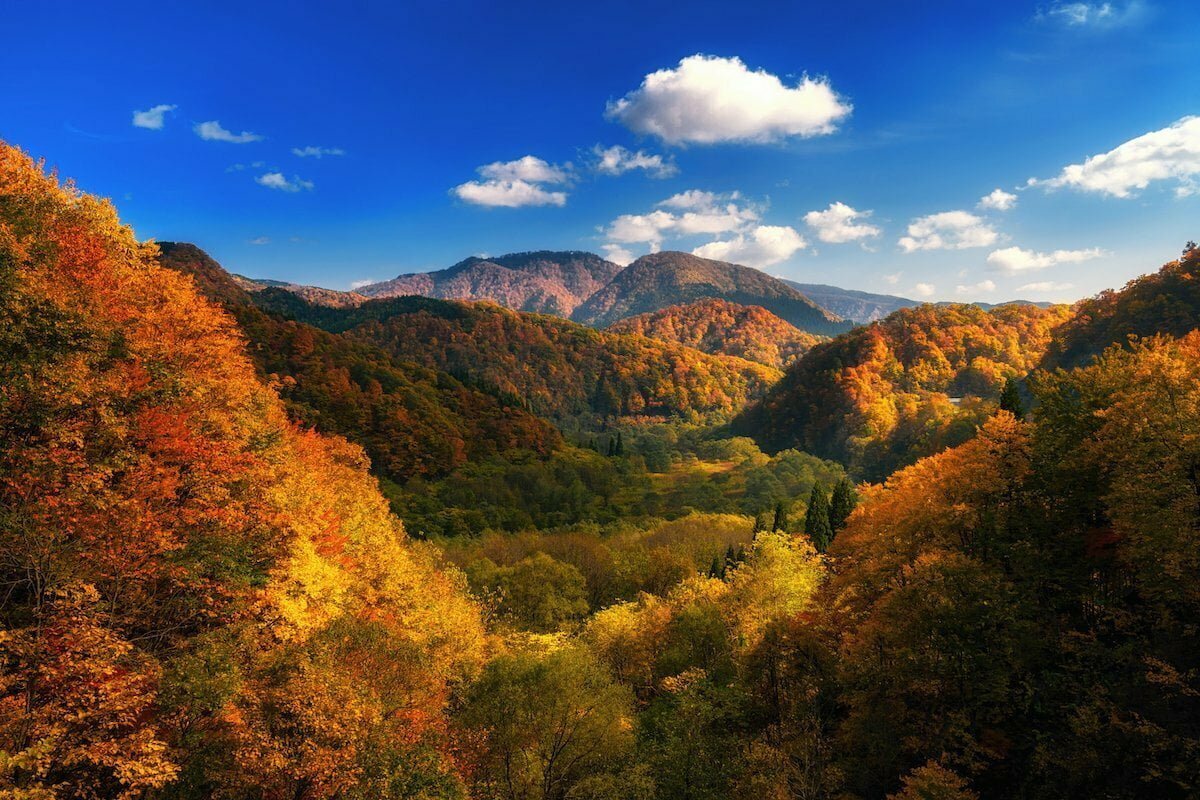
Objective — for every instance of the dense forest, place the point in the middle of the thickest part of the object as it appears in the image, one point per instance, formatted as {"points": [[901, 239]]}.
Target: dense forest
{"points": [[258, 547]]}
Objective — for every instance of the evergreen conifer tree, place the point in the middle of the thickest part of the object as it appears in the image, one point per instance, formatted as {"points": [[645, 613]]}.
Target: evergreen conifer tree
{"points": [[841, 504], [816, 521], [1010, 399]]}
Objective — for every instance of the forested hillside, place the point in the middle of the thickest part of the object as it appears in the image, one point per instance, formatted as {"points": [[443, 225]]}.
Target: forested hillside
{"points": [[208, 595], [888, 393], [660, 280], [201, 599], [411, 420], [721, 327], [555, 367], [1167, 301]]}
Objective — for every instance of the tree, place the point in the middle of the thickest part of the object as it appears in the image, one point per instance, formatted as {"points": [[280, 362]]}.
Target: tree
{"points": [[841, 504], [816, 522], [619, 450], [781, 520], [1010, 399], [537, 726]]}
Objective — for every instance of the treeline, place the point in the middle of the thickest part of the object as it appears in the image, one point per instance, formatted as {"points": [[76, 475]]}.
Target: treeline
{"points": [[883, 395], [559, 369]]}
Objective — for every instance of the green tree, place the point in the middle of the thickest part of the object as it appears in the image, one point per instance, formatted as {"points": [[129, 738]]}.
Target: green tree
{"points": [[541, 593], [541, 725], [1010, 399], [841, 504], [781, 520], [816, 522]]}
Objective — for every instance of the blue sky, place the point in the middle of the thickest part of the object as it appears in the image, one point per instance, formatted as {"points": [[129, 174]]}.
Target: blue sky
{"points": [[849, 143]]}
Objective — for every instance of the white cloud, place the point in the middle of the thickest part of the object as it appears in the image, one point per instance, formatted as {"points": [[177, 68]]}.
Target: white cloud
{"points": [[1092, 15], [317, 152], [893, 279], [617, 160], [152, 118], [530, 169], [261, 240], [1015, 260], [997, 200], [983, 287], [760, 247], [360, 284], [924, 290], [840, 223], [276, 180], [618, 254], [515, 184], [213, 132], [708, 99], [949, 230], [1045, 286], [701, 213], [508, 194], [1172, 153]]}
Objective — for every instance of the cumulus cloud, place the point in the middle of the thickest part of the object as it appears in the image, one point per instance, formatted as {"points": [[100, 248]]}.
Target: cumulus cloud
{"points": [[1015, 260], [840, 223], [514, 184], [618, 160], [618, 254], [214, 132], [528, 168], [317, 152], [508, 194], [693, 212], [997, 200], [949, 230], [152, 118], [1045, 286], [924, 290], [893, 279], [759, 247], [708, 99], [1172, 153], [983, 287], [277, 180]]}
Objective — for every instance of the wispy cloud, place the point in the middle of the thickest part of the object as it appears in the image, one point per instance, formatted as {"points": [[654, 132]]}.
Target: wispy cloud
{"points": [[152, 118], [1045, 286], [708, 99], [1084, 15], [277, 180], [618, 160], [317, 152], [260, 240], [212, 131]]}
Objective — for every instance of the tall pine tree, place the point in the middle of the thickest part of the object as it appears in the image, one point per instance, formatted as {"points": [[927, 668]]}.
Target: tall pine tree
{"points": [[780, 523], [1010, 399], [841, 504], [816, 521]]}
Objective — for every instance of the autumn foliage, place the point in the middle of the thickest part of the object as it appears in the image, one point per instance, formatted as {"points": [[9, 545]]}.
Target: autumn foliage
{"points": [[181, 564]]}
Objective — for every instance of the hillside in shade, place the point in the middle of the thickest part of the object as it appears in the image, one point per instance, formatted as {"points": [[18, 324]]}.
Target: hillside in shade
{"points": [[856, 306], [555, 367], [909, 385], [722, 327], [412, 420], [660, 280], [543, 281]]}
